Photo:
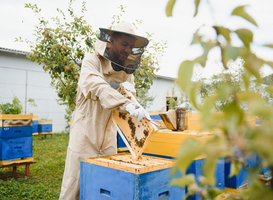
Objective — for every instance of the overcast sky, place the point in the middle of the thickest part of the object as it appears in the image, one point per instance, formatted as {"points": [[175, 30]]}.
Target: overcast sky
{"points": [[15, 20]]}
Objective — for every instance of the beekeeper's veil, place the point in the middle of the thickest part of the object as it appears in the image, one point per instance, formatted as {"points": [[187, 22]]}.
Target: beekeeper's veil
{"points": [[133, 60]]}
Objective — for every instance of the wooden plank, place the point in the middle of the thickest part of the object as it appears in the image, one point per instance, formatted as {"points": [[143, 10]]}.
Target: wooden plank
{"points": [[9, 162], [15, 116], [46, 133], [123, 149], [35, 133]]}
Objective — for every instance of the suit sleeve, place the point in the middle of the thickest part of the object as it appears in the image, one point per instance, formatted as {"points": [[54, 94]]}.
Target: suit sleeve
{"points": [[94, 87]]}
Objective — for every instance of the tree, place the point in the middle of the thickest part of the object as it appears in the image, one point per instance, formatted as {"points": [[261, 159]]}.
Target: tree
{"points": [[61, 47], [235, 73], [234, 132]]}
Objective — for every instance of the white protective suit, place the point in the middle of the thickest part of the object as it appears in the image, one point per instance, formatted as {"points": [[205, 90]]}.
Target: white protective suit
{"points": [[92, 132]]}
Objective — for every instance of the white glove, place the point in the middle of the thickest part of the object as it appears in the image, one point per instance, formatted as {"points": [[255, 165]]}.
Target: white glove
{"points": [[128, 86], [137, 111]]}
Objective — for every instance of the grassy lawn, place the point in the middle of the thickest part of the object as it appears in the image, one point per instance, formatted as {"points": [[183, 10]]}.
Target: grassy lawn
{"points": [[45, 175]]}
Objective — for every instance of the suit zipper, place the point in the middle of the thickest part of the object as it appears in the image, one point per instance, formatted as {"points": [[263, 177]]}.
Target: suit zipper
{"points": [[105, 130]]}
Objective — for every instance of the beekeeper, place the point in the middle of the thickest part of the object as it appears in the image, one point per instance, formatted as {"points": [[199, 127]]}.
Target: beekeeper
{"points": [[92, 133]]}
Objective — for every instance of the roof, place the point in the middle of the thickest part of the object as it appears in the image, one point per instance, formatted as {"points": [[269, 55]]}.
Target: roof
{"points": [[3, 49], [165, 77]]}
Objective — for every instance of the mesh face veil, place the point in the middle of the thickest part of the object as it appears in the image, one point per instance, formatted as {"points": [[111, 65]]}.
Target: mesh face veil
{"points": [[132, 62]]}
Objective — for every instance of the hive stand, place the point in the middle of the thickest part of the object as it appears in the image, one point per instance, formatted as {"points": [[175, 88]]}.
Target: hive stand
{"points": [[15, 163]]}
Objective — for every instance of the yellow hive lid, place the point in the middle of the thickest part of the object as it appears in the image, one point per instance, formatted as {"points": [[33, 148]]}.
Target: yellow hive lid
{"points": [[15, 116]]}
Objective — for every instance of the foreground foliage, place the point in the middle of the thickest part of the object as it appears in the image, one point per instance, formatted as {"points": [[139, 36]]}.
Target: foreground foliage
{"points": [[231, 128], [45, 175]]}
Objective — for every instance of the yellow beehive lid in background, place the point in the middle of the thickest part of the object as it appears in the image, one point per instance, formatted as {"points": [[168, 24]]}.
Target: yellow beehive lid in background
{"points": [[45, 121], [15, 116], [155, 112], [34, 118], [167, 142]]}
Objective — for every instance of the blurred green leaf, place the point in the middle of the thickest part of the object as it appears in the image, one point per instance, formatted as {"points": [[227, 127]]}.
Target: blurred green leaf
{"points": [[196, 38], [229, 52], [185, 74], [246, 78], [268, 45], [190, 149], [245, 35], [253, 174], [184, 180], [213, 192], [169, 8], [235, 168], [209, 169], [223, 31], [197, 2], [240, 11]]}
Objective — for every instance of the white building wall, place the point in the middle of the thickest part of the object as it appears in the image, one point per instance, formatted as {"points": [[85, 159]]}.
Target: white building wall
{"points": [[22, 78], [161, 89]]}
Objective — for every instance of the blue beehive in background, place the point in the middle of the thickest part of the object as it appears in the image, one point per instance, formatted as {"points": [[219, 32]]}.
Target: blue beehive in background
{"points": [[118, 177], [15, 136], [45, 125], [34, 125], [239, 180], [196, 168]]}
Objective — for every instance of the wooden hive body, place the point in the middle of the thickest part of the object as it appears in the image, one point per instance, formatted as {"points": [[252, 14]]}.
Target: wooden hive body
{"points": [[119, 177]]}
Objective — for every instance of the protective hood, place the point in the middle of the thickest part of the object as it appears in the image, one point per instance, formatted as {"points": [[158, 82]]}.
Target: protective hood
{"points": [[133, 60]]}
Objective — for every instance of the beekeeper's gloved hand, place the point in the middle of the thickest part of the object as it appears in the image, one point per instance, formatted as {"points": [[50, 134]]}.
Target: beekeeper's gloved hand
{"points": [[128, 86], [137, 111]]}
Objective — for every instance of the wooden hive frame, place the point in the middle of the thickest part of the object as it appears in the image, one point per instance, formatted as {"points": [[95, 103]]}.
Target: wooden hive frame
{"points": [[125, 162], [135, 134]]}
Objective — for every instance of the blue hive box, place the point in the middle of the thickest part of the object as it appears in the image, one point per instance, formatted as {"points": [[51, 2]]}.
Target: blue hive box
{"points": [[13, 148], [15, 136], [239, 180], [35, 124], [16, 131], [196, 169], [265, 173], [118, 177], [44, 125], [17, 125]]}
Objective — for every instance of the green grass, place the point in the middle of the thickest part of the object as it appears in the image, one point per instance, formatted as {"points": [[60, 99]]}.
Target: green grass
{"points": [[45, 175]]}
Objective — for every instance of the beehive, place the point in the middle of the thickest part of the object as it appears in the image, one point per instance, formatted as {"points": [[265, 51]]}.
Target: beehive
{"points": [[44, 125], [240, 179], [34, 125], [15, 136], [119, 177]]}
